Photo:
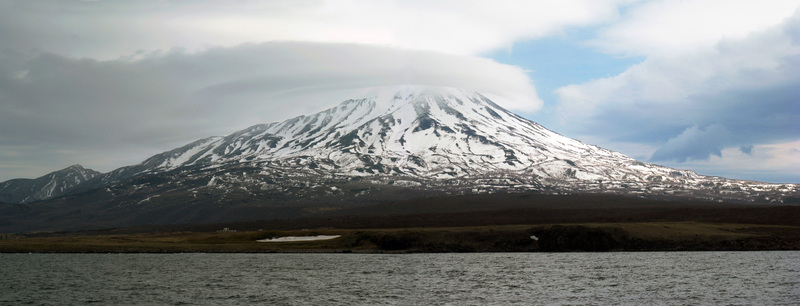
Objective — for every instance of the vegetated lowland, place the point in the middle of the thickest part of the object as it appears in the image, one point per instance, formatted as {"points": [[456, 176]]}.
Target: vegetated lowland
{"points": [[476, 223]]}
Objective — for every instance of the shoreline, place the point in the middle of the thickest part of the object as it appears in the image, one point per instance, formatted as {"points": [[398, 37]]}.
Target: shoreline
{"points": [[568, 237]]}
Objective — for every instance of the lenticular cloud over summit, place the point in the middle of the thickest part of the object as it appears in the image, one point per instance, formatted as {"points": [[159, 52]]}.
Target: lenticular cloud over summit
{"points": [[162, 99]]}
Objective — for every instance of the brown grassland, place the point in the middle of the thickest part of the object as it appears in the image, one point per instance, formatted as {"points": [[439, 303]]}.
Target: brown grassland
{"points": [[466, 224], [637, 236]]}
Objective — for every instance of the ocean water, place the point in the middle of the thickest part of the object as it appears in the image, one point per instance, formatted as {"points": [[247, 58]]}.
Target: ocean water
{"points": [[754, 278]]}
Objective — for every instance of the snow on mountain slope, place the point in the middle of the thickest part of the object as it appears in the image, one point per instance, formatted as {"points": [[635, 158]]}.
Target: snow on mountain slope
{"points": [[45, 187], [437, 137], [441, 132]]}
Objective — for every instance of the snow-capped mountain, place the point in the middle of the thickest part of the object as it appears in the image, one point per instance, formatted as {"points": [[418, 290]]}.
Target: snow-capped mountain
{"points": [[394, 141], [47, 186], [424, 138], [391, 145]]}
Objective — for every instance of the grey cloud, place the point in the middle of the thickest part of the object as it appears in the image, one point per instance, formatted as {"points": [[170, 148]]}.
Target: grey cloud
{"points": [[748, 149], [694, 143], [758, 115]]}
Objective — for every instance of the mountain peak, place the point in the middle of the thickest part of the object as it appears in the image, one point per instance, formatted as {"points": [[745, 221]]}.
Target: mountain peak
{"points": [[47, 186], [388, 98], [77, 167], [406, 130], [404, 92]]}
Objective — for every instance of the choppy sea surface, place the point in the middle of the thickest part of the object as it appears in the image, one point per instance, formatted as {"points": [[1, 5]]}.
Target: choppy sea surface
{"points": [[755, 278]]}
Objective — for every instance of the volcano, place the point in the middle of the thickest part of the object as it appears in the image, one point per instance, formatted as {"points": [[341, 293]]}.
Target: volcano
{"points": [[394, 143], [441, 138]]}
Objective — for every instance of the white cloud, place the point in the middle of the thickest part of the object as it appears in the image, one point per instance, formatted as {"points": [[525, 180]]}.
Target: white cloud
{"points": [[746, 85], [673, 80], [699, 107], [107, 30], [670, 26]]}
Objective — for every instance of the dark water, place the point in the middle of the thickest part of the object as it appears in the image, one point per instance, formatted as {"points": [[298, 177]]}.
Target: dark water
{"points": [[763, 278]]}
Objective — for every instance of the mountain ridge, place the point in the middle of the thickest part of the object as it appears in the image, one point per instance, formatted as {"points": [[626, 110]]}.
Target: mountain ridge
{"points": [[47, 186]]}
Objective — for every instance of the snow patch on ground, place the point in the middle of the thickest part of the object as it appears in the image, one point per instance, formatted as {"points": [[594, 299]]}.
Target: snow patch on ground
{"points": [[300, 238]]}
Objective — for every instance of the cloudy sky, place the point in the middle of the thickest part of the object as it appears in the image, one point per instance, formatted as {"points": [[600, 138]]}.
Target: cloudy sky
{"points": [[710, 86]]}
